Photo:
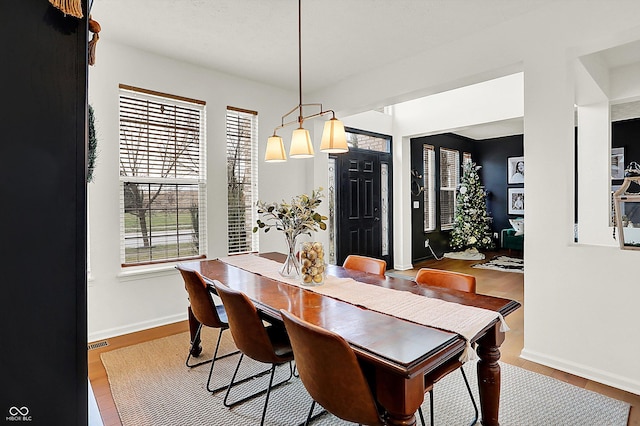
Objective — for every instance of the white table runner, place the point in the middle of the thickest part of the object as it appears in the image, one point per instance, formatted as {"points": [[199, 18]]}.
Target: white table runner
{"points": [[466, 321]]}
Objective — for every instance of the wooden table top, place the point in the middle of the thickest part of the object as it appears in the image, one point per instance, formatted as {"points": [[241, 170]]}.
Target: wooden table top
{"points": [[402, 346]]}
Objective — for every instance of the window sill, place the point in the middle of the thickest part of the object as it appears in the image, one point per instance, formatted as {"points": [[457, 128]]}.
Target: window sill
{"points": [[148, 271]]}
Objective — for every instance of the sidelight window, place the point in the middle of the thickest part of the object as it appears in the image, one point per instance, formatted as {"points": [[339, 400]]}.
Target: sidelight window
{"points": [[429, 187], [242, 179], [449, 179]]}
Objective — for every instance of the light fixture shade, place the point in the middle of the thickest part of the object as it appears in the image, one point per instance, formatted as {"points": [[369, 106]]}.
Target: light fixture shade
{"points": [[301, 146], [334, 139], [275, 150]]}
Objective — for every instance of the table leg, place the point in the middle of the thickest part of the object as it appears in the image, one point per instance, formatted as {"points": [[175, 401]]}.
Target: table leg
{"points": [[400, 397], [489, 375], [193, 329]]}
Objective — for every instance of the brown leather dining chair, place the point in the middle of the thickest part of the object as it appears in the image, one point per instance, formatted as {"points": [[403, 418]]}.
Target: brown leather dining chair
{"points": [[456, 281], [207, 313], [267, 344], [365, 264], [446, 279], [342, 388]]}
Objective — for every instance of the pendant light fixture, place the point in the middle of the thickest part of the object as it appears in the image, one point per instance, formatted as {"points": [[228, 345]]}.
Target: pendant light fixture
{"points": [[334, 138]]}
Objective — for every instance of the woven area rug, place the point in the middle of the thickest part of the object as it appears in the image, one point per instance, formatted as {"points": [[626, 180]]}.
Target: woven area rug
{"points": [[503, 263], [151, 387]]}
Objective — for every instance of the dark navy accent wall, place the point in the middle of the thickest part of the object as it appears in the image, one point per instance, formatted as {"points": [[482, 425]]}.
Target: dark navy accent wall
{"points": [[43, 319], [438, 239], [492, 155], [626, 134]]}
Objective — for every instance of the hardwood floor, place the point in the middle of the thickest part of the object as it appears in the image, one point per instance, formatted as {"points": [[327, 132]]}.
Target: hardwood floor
{"points": [[496, 283]]}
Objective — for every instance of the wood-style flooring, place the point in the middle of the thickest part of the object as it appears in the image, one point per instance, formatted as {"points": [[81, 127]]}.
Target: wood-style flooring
{"points": [[502, 284]]}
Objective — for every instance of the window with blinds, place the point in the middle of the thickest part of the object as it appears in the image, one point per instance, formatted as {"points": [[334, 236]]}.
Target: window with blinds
{"points": [[242, 179], [429, 184], [162, 177], [449, 178]]}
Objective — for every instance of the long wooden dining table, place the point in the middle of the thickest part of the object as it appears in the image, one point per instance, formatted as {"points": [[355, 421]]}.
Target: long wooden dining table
{"points": [[396, 353]]}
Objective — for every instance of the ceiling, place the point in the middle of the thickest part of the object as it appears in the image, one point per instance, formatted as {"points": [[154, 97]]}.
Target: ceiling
{"points": [[258, 39]]}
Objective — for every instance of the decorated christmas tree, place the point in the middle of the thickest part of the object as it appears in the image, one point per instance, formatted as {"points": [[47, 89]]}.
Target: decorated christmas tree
{"points": [[471, 222]]}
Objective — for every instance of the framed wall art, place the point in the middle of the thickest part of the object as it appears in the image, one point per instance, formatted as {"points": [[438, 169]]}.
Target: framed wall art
{"points": [[516, 201], [617, 163], [515, 170]]}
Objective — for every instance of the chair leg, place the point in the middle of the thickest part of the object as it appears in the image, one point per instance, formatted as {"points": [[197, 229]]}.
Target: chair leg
{"points": [[473, 401], [421, 416], [310, 417], [266, 398], [213, 361], [196, 340], [255, 395], [431, 406], [308, 421]]}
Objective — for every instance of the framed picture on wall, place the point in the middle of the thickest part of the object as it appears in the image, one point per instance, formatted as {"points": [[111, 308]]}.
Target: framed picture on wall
{"points": [[516, 201], [515, 170], [617, 163]]}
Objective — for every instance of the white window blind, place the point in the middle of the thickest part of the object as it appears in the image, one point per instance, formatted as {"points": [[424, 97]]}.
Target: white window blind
{"points": [[162, 177], [242, 179], [449, 178], [429, 193]]}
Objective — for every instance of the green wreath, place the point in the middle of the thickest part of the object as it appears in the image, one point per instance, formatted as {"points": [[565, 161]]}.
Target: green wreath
{"points": [[93, 145]]}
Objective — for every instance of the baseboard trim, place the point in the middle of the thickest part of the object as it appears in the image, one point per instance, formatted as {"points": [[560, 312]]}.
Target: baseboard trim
{"points": [[402, 267], [132, 328], [600, 376]]}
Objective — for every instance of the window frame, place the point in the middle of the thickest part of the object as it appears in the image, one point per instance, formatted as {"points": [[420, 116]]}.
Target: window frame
{"points": [[154, 173], [429, 187], [449, 190], [247, 162]]}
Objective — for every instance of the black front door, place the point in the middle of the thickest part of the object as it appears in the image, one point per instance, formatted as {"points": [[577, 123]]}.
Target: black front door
{"points": [[359, 205]]}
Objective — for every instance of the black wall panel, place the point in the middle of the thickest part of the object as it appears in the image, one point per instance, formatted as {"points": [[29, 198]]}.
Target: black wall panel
{"points": [[492, 155], [439, 240], [43, 360], [626, 134]]}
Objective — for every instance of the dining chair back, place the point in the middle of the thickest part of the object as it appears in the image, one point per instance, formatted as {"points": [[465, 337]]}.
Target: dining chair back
{"points": [[202, 305], [446, 279], [365, 264], [268, 344], [330, 372], [207, 313]]}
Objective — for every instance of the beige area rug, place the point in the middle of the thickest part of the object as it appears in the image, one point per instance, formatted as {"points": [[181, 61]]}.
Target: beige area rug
{"points": [[151, 386]]}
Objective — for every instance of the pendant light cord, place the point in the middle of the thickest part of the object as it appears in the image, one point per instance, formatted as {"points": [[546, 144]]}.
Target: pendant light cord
{"points": [[300, 59]]}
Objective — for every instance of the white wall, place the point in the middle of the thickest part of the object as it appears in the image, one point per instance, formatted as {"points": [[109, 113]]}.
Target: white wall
{"points": [[122, 300], [581, 300]]}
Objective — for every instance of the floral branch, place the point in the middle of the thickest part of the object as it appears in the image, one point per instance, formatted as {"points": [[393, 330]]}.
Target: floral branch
{"points": [[294, 218]]}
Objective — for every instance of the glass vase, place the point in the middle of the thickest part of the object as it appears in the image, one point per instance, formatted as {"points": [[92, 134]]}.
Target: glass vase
{"points": [[291, 266], [312, 263]]}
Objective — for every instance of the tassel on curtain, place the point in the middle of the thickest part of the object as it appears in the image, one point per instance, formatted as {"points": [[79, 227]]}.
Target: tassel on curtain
{"points": [[94, 27], [68, 7]]}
